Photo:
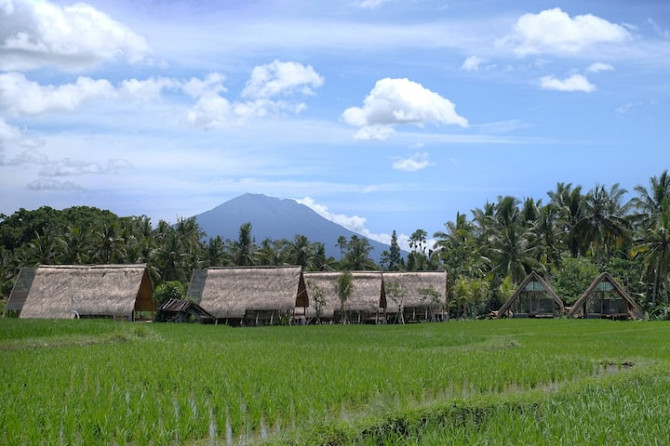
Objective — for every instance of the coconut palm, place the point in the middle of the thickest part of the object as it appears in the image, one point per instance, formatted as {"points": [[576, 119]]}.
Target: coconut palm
{"points": [[649, 201], [603, 225], [654, 246], [570, 204]]}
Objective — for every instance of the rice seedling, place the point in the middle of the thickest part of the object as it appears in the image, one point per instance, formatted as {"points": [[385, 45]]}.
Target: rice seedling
{"points": [[519, 381]]}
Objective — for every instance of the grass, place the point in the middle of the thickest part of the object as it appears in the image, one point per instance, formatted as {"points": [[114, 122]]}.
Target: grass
{"points": [[484, 382]]}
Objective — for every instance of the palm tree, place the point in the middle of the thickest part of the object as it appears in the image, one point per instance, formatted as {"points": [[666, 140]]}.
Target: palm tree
{"points": [[344, 286], [649, 201], [513, 253], [603, 225], [654, 246], [301, 252], [570, 204], [243, 249]]}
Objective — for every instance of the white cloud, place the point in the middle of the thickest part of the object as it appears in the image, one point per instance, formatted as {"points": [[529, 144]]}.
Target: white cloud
{"points": [[8, 132], [554, 31], [353, 223], [281, 78], [370, 4], [38, 33], [472, 63], [266, 82], [21, 97], [576, 82], [211, 84], [149, 89], [51, 184], [598, 67], [399, 101], [356, 224], [416, 162], [69, 167]]}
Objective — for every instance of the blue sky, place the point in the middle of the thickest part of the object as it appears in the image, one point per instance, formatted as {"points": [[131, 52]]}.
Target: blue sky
{"points": [[382, 115]]}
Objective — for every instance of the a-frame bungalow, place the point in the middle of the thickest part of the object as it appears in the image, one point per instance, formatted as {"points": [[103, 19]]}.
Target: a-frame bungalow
{"points": [[82, 291], [605, 299], [250, 296], [533, 298]]}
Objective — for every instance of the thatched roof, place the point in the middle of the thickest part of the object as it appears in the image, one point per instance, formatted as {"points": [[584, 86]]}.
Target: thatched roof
{"points": [[535, 278], [229, 292], [20, 289], [366, 296], [174, 306], [62, 292], [420, 289], [633, 311]]}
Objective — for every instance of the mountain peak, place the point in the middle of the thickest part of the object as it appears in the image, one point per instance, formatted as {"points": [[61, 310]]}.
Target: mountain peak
{"points": [[276, 219]]}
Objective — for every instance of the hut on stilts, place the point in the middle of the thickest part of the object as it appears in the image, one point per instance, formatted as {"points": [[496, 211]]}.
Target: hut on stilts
{"points": [[415, 296], [605, 299], [251, 296], [533, 298], [82, 291], [365, 305]]}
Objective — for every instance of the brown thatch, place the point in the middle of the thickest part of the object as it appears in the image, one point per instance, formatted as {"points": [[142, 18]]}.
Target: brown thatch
{"points": [[182, 310], [232, 292], [533, 298], [366, 299], [419, 295], [605, 298], [66, 292]]}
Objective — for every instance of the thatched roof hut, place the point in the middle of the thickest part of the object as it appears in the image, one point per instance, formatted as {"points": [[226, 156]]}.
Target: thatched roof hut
{"points": [[605, 298], [233, 292], [533, 298], [366, 301], [69, 291], [182, 310], [419, 295]]}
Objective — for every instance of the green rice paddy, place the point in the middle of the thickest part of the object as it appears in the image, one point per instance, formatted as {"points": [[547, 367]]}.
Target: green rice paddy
{"points": [[479, 382]]}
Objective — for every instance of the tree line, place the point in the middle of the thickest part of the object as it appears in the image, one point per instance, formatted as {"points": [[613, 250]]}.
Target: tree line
{"points": [[569, 239]]}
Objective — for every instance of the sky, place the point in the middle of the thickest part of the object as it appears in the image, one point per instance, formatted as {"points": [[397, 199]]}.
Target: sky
{"points": [[381, 115]]}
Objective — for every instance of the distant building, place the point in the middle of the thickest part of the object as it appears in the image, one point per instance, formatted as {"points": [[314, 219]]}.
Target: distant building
{"points": [[82, 291]]}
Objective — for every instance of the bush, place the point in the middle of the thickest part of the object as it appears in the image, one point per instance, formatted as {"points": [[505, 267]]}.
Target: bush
{"points": [[169, 290]]}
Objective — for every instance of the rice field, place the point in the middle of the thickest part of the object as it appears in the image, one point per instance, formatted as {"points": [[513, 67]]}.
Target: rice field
{"points": [[478, 382]]}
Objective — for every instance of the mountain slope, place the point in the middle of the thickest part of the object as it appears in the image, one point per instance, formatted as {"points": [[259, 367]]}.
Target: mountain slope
{"points": [[276, 219]]}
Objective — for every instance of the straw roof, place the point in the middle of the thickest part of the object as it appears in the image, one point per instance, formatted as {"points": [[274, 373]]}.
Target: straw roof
{"points": [[62, 292], [532, 277], [366, 296], [632, 308], [20, 289], [421, 289], [229, 292]]}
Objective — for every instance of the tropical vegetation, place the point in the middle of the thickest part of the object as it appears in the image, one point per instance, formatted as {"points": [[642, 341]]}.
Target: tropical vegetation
{"points": [[568, 239]]}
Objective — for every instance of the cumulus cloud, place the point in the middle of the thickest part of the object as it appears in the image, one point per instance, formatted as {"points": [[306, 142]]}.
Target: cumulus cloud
{"points": [[414, 163], [598, 67], [21, 97], [8, 132], [576, 82], [399, 101], [281, 78], [51, 184], [472, 63], [148, 89], [212, 84], [554, 31], [355, 224], [38, 33], [266, 83]]}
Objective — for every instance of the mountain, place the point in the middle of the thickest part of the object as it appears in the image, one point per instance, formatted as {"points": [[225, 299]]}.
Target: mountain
{"points": [[277, 219]]}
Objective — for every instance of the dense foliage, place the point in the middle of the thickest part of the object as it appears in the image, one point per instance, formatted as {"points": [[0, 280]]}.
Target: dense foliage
{"points": [[570, 239]]}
